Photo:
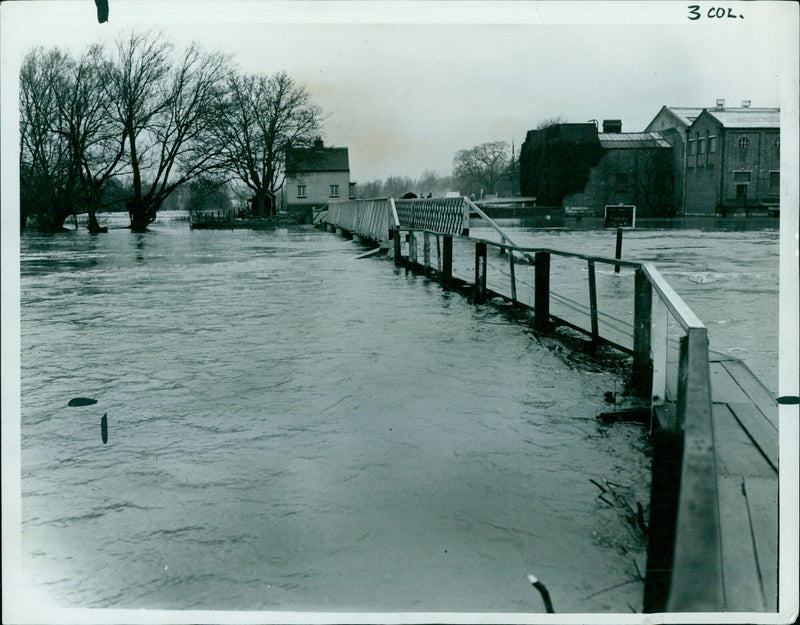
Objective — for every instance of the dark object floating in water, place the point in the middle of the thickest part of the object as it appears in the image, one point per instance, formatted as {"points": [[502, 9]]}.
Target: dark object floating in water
{"points": [[102, 10], [548, 605], [628, 415], [104, 428], [81, 401]]}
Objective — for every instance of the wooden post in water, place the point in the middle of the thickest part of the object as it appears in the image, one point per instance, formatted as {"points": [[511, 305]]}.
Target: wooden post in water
{"points": [[398, 257], [618, 252], [593, 303], [426, 250], [513, 277], [541, 305], [480, 272], [412, 247], [642, 375], [447, 259]]}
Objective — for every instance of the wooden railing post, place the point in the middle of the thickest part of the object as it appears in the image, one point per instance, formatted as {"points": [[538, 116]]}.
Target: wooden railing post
{"points": [[447, 259], [398, 257], [593, 303], [412, 247], [513, 277], [642, 375], [659, 344], [480, 272], [541, 305]]}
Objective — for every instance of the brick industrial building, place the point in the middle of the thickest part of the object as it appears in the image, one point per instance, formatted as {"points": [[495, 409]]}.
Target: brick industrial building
{"points": [[733, 160], [691, 161]]}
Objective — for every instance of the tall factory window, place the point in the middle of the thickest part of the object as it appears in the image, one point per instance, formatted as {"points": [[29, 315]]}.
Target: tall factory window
{"points": [[712, 143]]}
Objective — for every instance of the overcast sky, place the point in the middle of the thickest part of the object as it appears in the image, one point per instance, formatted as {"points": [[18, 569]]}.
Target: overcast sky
{"points": [[406, 85]]}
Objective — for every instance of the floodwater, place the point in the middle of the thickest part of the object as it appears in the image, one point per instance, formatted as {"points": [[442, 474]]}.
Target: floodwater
{"points": [[729, 278], [291, 428]]}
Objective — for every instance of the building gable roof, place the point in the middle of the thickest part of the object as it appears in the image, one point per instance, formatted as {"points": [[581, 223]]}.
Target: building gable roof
{"points": [[628, 140], [302, 160], [747, 117], [684, 115]]}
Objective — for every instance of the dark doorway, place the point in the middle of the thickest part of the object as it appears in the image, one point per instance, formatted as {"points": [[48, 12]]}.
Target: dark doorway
{"points": [[741, 194]]}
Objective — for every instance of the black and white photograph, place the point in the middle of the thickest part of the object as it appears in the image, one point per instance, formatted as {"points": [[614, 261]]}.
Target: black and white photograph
{"points": [[402, 311]]}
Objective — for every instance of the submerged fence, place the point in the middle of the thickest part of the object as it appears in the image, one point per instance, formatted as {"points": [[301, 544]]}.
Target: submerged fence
{"points": [[668, 345]]}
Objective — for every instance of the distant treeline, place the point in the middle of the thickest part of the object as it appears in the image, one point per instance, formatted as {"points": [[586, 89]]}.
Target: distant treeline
{"points": [[486, 169]]}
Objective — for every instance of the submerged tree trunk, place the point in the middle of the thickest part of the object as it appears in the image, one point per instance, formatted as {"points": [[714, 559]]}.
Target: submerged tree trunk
{"points": [[51, 221], [141, 214], [263, 206], [94, 227]]}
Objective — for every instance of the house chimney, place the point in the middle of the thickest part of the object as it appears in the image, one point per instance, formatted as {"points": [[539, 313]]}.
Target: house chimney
{"points": [[318, 143], [745, 104], [612, 125], [721, 104]]}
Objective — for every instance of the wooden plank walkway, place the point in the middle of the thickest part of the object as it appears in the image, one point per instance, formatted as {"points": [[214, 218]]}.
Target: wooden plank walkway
{"points": [[745, 421], [745, 424]]}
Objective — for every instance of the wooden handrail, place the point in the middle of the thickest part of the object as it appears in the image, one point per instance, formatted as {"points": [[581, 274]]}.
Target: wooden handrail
{"points": [[679, 309]]}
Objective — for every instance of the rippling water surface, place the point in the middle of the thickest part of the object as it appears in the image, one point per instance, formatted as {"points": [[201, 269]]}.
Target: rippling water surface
{"points": [[290, 428], [728, 278]]}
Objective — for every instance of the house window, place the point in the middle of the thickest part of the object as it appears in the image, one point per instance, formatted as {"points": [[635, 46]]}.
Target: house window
{"points": [[712, 143], [777, 143], [701, 146], [742, 177], [301, 191], [352, 191], [334, 190], [774, 183], [691, 147], [744, 142]]}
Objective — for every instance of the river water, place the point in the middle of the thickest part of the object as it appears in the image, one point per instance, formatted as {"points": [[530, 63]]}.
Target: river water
{"points": [[729, 278], [292, 428]]}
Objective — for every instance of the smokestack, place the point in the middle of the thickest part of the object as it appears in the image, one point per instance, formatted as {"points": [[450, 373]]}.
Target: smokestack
{"points": [[720, 104]]}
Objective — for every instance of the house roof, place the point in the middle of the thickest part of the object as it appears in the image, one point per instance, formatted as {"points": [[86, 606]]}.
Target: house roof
{"points": [[316, 159], [747, 117], [685, 115], [622, 140]]}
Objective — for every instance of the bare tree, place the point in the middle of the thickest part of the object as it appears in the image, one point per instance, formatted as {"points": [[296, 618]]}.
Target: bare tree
{"points": [[167, 115], [48, 184], [552, 121], [262, 115], [482, 168], [95, 142]]}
